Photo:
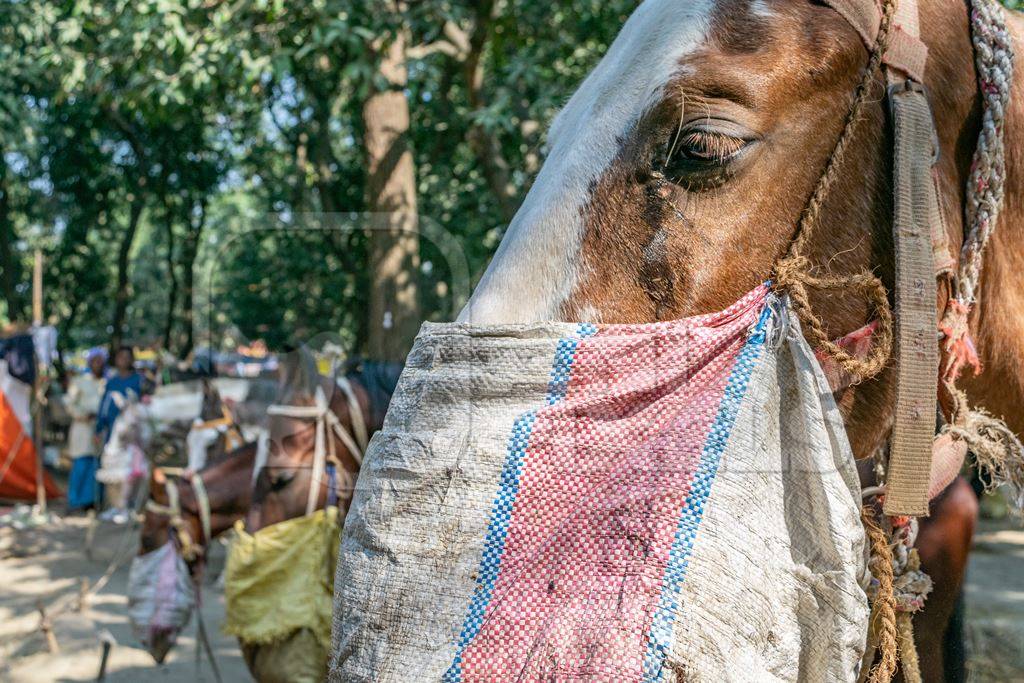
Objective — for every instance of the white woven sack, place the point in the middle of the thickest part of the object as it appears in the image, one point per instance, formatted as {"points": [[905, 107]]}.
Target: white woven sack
{"points": [[160, 598], [615, 503]]}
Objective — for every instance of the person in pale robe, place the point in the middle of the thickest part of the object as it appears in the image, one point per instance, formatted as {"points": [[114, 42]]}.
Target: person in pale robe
{"points": [[84, 396]]}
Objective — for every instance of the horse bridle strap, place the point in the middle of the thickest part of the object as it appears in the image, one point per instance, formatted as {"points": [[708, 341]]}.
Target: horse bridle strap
{"points": [[325, 418], [905, 51], [915, 203]]}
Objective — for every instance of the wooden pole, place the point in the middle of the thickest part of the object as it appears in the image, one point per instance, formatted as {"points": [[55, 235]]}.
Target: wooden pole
{"points": [[46, 626], [37, 426], [37, 288]]}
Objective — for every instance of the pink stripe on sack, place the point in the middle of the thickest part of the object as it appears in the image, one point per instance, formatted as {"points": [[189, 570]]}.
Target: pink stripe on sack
{"points": [[605, 475]]}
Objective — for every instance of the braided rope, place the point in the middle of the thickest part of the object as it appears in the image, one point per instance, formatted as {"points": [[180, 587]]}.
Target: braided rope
{"points": [[793, 272], [883, 620], [993, 57]]}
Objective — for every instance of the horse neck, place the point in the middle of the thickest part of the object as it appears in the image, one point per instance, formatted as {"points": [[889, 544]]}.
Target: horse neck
{"points": [[228, 483]]}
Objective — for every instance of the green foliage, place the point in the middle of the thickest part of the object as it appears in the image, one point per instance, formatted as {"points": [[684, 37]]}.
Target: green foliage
{"points": [[233, 131], [236, 128]]}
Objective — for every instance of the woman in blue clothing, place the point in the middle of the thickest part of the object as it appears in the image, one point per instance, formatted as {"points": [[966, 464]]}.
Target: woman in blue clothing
{"points": [[124, 381], [128, 384]]}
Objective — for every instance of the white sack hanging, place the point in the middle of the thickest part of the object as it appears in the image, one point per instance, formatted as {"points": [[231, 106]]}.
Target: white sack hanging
{"points": [[661, 502], [161, 595]]}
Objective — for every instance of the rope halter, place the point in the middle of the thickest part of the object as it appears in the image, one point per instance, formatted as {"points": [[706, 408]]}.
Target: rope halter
{"points": [[190, 550]]}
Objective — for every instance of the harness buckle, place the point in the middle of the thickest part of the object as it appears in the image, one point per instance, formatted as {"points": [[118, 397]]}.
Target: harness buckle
{"points": [[910, 85]]}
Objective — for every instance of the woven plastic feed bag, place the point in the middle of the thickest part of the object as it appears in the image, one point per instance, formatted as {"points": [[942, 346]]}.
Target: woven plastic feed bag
{"points": [[160, 599], [561, 502], [278, 593]]}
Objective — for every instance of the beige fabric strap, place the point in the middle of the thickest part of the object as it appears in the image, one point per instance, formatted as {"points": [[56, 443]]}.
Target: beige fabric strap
{"points": [[906, 52], [917, 362], [203, 502]]}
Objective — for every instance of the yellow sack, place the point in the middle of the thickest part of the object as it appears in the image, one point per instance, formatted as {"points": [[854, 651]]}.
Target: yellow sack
{"points": [[299, 658], [281, 579]]}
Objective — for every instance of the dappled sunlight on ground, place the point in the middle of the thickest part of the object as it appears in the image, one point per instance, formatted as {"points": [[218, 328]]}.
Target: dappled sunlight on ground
{"points": [[47, 567]]}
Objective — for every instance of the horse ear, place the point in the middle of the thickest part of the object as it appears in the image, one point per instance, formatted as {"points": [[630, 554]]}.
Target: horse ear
{"points": [[298, 376]]}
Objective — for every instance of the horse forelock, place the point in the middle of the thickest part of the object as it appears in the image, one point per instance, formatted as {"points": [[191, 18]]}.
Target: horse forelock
{"points": [[535, 268]]}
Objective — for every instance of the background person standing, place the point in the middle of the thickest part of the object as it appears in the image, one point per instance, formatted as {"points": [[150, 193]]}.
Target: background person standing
{"points": [[124, 386], [84, 397]]}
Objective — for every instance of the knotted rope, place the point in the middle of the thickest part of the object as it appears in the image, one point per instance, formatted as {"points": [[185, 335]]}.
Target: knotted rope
{"points": [[794, 271], [995, 447], [882, 629], [897, 591]]}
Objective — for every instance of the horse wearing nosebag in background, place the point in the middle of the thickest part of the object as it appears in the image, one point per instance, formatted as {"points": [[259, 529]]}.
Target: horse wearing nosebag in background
{"points": [[699, 159], [279, 577], [182, 516]]}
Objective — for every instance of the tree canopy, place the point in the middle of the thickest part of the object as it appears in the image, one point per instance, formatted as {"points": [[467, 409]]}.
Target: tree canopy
{"points": [[198, 168]]}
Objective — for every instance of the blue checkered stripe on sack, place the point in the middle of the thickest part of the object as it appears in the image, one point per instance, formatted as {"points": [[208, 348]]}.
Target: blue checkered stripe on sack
{"points": [[508, 487], [659, 641]]}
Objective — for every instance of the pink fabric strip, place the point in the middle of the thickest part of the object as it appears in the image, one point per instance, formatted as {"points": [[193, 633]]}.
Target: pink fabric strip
{"points": [[605, 475]]}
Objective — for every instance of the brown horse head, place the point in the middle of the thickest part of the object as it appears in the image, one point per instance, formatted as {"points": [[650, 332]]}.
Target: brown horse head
{"points": [[228, 486], [283, 485], [679, 170]]}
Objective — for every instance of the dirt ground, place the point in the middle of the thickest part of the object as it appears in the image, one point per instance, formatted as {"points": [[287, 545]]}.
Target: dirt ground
{"points": [[995, 602], [46, 566]]}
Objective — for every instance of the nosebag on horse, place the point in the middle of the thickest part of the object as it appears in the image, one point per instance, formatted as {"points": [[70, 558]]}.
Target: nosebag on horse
{"points": [[668, 493], [604, 502]]}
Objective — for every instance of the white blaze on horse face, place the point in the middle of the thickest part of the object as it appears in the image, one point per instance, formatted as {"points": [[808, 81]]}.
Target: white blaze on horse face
{"points": [[536, 265]]}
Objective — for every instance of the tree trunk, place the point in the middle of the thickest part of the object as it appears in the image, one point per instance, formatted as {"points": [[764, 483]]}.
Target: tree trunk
{"points": [[190, 251], [172, 276], [485, 144], [123, 293], [391, 199], [10, 272]]}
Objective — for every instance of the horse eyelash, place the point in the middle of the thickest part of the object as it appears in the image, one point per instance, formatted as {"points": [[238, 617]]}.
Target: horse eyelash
{"points": [[712, 145]]}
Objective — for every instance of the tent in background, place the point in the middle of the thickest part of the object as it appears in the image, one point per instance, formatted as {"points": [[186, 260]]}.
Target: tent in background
{"points": [[18, 459]]}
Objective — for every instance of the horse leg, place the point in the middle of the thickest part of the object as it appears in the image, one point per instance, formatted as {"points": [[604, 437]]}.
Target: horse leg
{"points": [[943, 542]]}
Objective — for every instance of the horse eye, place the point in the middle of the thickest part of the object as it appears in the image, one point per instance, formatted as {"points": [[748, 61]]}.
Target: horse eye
{"points": [[698, 155], [279, 481], [705, 146]]}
